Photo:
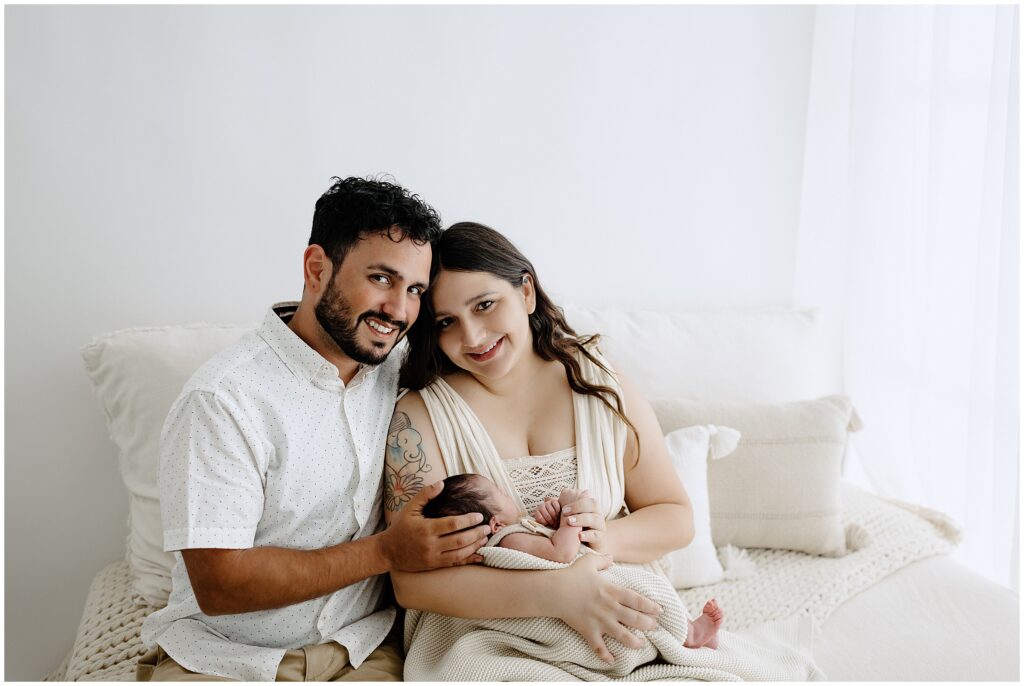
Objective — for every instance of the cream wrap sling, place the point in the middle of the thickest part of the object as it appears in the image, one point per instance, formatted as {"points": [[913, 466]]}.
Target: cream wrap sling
{"points": [[466, 446]]}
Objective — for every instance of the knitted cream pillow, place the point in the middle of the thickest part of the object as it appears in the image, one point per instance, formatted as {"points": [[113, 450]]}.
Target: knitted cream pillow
{"points": [[690, 449], [780, 488]]}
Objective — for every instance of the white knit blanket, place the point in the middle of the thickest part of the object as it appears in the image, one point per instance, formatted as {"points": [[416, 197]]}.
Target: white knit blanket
{"points": [[442, 648], [886, 536], [108, 644]]}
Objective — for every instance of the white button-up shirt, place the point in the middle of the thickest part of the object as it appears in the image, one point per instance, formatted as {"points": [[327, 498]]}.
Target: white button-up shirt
{"points": [[266, 446]]}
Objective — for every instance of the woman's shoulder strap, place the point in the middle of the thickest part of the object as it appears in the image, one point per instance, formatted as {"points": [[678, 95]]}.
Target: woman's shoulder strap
{"points": [[594, 365], [463, 441]]}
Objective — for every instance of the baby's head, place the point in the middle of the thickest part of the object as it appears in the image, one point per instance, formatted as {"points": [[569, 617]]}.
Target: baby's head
{"points": [[465, 493]]}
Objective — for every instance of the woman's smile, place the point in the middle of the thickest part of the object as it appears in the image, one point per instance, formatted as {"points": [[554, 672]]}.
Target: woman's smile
{"points": [[488, 352]]}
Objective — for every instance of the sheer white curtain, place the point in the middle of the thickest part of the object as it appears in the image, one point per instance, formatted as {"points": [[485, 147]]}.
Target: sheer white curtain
{"points": [[909, 235]]}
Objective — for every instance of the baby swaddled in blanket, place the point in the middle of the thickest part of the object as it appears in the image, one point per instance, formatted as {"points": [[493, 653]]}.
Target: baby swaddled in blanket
{"points": [[443, 648], [543, 535]]}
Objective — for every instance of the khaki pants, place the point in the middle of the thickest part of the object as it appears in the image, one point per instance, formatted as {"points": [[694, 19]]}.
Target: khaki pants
{"points": [[324, 662]]}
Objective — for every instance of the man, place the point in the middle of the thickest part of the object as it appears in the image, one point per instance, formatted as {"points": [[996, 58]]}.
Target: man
{"points": [[271, 462]]}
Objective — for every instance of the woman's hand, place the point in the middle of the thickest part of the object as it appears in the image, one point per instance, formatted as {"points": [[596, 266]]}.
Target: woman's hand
{"points": [[597, 607], [583, 511]]}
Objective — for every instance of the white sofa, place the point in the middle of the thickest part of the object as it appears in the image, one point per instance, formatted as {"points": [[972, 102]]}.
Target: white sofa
{"points": [[890, 604]]}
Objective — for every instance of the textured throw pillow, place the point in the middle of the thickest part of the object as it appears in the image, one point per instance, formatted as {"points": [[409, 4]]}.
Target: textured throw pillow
{"points": [[780, 488], [690, 449], [137, 374]]}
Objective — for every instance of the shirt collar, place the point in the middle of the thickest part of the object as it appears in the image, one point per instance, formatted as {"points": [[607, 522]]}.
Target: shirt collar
{"points": [[302, 360]]}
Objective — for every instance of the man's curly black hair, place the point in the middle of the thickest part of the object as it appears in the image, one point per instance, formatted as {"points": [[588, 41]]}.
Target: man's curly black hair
{"points": [[461, 495], [355, 207]]}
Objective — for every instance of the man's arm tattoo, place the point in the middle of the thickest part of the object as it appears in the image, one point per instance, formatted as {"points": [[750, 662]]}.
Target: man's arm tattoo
{"points": [[405, 463]]}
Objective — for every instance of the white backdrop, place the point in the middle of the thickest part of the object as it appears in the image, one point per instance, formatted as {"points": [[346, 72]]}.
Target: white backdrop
{"points": [[162, 164]]}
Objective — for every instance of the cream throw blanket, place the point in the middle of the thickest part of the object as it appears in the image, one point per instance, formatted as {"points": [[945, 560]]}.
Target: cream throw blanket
{"points": [[441, 648]]}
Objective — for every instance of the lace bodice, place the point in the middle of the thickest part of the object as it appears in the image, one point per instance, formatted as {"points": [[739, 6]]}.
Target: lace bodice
{"points": [[539, 477]]}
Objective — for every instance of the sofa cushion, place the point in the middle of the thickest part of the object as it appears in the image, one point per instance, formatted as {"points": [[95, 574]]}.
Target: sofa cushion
{"points": [[780, 488], [753, 355], [137, 374]]}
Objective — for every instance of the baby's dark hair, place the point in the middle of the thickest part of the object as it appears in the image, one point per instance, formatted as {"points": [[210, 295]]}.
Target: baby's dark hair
{"points": [[461, 495]]}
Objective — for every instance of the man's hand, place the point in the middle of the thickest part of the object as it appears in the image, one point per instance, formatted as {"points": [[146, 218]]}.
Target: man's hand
{"points": [[596, 607], [414, 543]]}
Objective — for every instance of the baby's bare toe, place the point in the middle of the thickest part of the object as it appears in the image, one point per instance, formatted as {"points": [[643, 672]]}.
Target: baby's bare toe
{"points": [[713, 611]]}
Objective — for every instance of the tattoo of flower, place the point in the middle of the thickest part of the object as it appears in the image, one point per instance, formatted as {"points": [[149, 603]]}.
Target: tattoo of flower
{"points": [[400, 489], [405, 464]]}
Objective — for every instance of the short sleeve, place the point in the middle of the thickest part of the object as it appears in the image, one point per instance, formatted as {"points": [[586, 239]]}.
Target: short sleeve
{"points": [[211, 479]]}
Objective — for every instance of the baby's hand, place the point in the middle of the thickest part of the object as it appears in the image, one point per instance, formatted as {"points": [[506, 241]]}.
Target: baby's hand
{"points": [[547, 513], [569, 495]]}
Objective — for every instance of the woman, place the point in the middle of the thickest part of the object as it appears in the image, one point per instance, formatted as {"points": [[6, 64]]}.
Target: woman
{"points": [[508, 390]]}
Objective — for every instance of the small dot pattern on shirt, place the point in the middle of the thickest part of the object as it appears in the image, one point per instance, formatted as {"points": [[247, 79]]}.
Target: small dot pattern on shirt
{"points": [[266, 446]]}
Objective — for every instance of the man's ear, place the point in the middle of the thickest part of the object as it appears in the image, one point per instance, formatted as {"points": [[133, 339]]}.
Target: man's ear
{"points": [[529, 294], [317, 269]]}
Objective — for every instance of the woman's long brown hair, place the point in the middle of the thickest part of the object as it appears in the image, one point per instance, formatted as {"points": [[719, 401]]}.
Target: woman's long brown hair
{"points": [[472, 247]]}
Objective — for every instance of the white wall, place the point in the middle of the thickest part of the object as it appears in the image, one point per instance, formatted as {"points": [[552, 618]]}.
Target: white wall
{"points": [[162, 164]]}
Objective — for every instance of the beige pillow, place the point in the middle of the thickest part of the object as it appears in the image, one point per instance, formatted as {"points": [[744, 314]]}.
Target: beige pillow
{"points": [[780, 488], [137, 374]]}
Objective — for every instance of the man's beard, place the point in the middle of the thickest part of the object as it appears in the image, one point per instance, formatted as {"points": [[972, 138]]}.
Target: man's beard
{"points": [[335, 316]]}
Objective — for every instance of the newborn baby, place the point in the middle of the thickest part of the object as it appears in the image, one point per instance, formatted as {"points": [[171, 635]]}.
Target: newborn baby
{"points": [[542, 535]]}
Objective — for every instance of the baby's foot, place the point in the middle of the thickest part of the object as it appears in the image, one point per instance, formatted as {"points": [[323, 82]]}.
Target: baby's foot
{"points": [[703, 632]]}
